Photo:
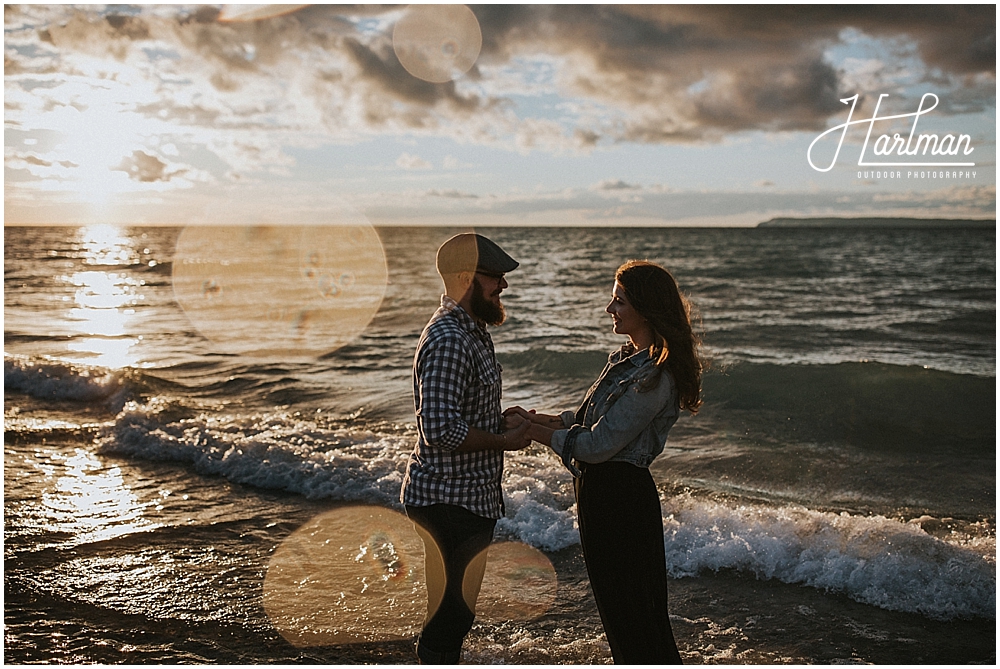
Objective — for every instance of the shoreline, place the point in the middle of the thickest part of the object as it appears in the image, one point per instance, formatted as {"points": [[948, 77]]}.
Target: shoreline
{"points": [[718, 618]]}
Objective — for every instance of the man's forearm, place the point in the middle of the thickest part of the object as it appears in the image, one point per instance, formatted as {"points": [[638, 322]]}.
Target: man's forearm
{"points": [[481, 440]]}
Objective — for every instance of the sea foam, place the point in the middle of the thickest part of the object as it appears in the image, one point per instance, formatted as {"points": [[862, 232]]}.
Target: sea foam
{"points": [[52, 379], [274, 451], [884, 562], [875, 560]]}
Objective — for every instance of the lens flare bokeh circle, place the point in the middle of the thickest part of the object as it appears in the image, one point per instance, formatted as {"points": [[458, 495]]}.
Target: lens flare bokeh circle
{"points": [[437, 43], [355, 574], [351, 575], [280, 290], [520, 584]]}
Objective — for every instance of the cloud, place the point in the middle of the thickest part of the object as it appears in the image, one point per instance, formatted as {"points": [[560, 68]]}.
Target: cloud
{"points": [[614, 185], [408, 162], [243, 96], [669, 72], [587, 206], [680, 73], [36, 165], [969, 196], [451, 193], [143, 167]]}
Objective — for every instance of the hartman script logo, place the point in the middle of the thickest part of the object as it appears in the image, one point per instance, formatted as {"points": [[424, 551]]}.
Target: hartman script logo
{"points": [[915, 150]]}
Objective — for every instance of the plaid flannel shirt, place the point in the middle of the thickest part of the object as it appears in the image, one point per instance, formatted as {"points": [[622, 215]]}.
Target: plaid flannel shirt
{"points": [[456, 384]]}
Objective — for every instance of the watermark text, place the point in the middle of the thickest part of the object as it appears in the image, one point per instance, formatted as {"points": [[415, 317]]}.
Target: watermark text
{"points": [[915, 150]]}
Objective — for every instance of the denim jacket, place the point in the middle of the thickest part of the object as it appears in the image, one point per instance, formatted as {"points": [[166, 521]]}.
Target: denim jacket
{"points": [[617, 421]]}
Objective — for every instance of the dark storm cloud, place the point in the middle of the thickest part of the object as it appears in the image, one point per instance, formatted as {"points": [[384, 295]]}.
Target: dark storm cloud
{"points": [[128, 27], [106, 36], [959, 39], [665, 73], [725, 68], [782, 97], [380, 65]]}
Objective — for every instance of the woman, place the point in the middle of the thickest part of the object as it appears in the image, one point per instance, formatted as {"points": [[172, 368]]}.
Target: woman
{"points": [[613, 437]]}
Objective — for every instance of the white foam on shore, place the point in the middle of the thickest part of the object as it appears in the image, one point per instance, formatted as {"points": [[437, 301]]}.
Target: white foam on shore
{"points": [[275, 451], [52, 379], [875, 560]]}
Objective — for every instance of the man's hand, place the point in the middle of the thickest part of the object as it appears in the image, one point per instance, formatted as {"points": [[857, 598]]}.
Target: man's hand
{"points": [[514, 416], [515, 434], [516, 412]]}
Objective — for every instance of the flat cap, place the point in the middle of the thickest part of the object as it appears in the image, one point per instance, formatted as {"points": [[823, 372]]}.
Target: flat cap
{"points": [[469, 252]]}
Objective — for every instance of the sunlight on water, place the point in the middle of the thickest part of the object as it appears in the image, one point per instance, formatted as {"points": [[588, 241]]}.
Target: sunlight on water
{"points": [[106, 245], [104, 300], [356, 574], [115, 354], [90, 500], [280, 290]]}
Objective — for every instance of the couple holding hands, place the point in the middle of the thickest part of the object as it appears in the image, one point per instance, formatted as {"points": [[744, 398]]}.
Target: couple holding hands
{"points": [[451, 489]]}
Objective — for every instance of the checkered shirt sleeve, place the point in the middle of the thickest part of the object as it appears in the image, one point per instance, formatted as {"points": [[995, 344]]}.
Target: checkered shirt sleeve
{"points": [[456, 385]]}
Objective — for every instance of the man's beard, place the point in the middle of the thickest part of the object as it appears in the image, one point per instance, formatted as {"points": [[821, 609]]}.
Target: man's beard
{"points": [[483, 309]]}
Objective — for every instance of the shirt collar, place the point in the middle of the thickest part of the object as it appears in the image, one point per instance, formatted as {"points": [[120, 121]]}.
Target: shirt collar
{"points": [[466, 320], [629, 352]]}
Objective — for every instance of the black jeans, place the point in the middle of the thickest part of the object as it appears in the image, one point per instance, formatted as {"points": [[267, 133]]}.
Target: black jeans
{"points": [[621, 530], [460, 536]]}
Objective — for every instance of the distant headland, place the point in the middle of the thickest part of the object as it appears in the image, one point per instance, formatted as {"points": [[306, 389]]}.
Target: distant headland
{"points": [[877, 223]]}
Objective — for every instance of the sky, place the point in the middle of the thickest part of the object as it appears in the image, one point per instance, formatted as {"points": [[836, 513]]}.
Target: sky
{"points": [[562, 114]]}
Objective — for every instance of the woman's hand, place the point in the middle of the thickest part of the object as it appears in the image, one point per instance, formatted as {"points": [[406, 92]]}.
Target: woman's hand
{"points": [[545, 420]]}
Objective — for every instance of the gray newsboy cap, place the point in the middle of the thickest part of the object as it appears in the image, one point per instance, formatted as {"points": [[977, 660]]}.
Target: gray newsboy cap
{"points": [[469, 252]]}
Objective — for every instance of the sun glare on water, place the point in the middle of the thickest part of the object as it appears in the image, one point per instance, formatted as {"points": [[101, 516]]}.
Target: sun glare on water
{"points": [[92, 500], [104, 300]]}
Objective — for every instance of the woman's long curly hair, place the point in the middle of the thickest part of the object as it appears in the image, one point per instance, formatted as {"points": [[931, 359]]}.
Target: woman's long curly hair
{"points": [[652, 291]]}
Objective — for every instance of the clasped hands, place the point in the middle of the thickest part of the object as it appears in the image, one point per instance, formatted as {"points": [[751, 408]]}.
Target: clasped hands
{"points": [[529, 425]]}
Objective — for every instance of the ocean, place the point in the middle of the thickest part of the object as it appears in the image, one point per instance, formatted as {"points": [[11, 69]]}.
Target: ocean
{"points": [[205, 431]]}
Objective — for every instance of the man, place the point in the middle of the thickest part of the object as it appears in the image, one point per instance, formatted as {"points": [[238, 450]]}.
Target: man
{"points": [[451, 489]]}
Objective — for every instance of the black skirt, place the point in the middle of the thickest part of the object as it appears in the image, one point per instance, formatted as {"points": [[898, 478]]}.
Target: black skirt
{"points": [[621, 530]]}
